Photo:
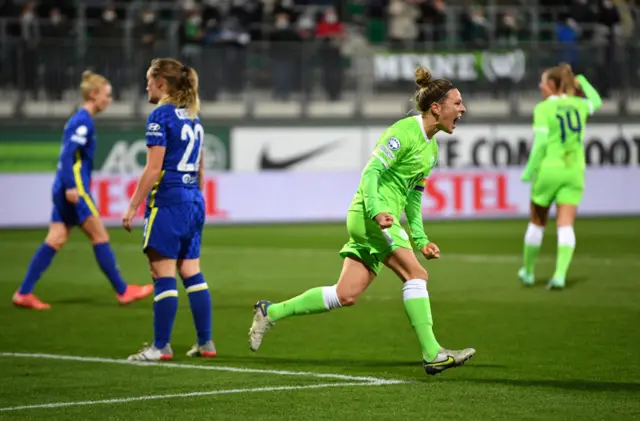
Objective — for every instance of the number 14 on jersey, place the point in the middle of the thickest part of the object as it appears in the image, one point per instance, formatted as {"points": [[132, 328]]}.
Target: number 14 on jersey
{"points": [[570, 121]]}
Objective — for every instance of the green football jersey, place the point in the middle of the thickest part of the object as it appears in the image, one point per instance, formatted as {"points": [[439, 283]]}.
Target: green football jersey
{"points": [[564, 119], [408, 157]]}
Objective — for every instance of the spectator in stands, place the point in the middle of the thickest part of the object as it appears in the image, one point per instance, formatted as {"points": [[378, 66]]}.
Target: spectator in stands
{"points": [[306, 29], [254, 10], [567, 33], [375, 12], [474, 26], [285, 51], [507, 29], [211, 12], [283, 6], [146, 38], [108, 51], [330, 31], [584, 13], [403, 18], [190, 37], [56, 50], [608, 17], [212, 52], [432, 20], [29, 33], [235, 40]]}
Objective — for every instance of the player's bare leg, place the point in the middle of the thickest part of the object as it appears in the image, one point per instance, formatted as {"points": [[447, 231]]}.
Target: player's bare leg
{"points": [[165, 307], [96, 231], [200, 302], [354, 279], [418, 308], [566, 244], [57, 236], [532, 242]]}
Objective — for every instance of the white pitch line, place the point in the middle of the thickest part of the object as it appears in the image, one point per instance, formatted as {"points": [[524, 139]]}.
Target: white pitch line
{"points": [[188, 395], [363, 379]]}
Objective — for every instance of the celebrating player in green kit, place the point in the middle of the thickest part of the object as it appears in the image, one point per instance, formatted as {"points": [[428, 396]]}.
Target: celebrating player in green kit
{"points": [[392, 181], [557, 165]]}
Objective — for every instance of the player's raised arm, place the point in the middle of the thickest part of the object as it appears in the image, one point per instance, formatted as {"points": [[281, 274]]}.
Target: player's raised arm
{"points": [[540, 136], [593, 97]]}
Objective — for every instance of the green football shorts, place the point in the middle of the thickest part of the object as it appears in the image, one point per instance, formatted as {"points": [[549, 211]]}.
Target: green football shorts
{"points": [[559, 185], [369, 243]]}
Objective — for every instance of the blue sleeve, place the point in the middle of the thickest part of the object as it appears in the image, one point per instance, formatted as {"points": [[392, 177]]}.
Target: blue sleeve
{"points": [[75, 140], [156, 129]]}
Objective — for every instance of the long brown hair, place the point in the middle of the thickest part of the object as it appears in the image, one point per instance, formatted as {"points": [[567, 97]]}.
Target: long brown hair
{"points": [[429, 90], [182, 82]]}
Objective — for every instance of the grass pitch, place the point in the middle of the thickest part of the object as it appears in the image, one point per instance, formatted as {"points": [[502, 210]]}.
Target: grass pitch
{"points": [[540, 355]]}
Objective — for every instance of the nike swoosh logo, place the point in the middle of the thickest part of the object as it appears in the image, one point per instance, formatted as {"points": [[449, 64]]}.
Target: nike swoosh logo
{"points": [[267, 163], [448, 361]]}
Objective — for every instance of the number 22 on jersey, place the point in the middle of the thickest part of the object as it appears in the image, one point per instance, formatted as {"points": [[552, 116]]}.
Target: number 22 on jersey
{"points": [[194, 136]]}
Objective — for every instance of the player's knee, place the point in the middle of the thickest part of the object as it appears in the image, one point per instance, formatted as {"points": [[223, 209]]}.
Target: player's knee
{"points": [[417, 273], [346, 298], [56, 240], [100, 237], [188, 268], [413, 270], [96, 230], [158, 271]]}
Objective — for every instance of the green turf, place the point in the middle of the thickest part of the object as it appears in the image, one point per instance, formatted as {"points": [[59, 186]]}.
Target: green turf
{"points": [[541, 355], [29, 156]]}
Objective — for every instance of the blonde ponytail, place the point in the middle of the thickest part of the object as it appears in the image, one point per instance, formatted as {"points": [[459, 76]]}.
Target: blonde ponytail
{"points": [[182, 83]]}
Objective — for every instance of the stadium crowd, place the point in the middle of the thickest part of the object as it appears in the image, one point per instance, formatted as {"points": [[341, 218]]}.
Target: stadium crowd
{"points": [[44, 42]]}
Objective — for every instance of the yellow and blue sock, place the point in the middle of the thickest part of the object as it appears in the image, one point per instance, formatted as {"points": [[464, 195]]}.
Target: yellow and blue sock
{"points": [[165, 307], [200, 301], [107, 262], [39, 263]]}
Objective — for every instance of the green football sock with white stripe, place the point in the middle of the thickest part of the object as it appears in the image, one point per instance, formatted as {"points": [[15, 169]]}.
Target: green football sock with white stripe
{"points": [[418, 309]]}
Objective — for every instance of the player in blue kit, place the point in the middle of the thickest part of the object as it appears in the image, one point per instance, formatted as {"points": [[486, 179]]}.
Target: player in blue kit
{"points": [[73, 204], [172, 182]]}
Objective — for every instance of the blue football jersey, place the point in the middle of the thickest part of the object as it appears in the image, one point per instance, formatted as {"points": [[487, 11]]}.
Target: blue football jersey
{"points": [[76, 155], [169, 126]]}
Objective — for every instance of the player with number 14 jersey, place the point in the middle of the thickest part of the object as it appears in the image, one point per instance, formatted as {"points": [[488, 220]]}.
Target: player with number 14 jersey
{"points": [[556, 166]]}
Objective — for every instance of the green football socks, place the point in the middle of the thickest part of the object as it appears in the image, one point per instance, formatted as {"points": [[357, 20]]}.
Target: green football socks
{"points": [[315, 300], [530, 256], [418, 309], [532, 243], [566, 247]]}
